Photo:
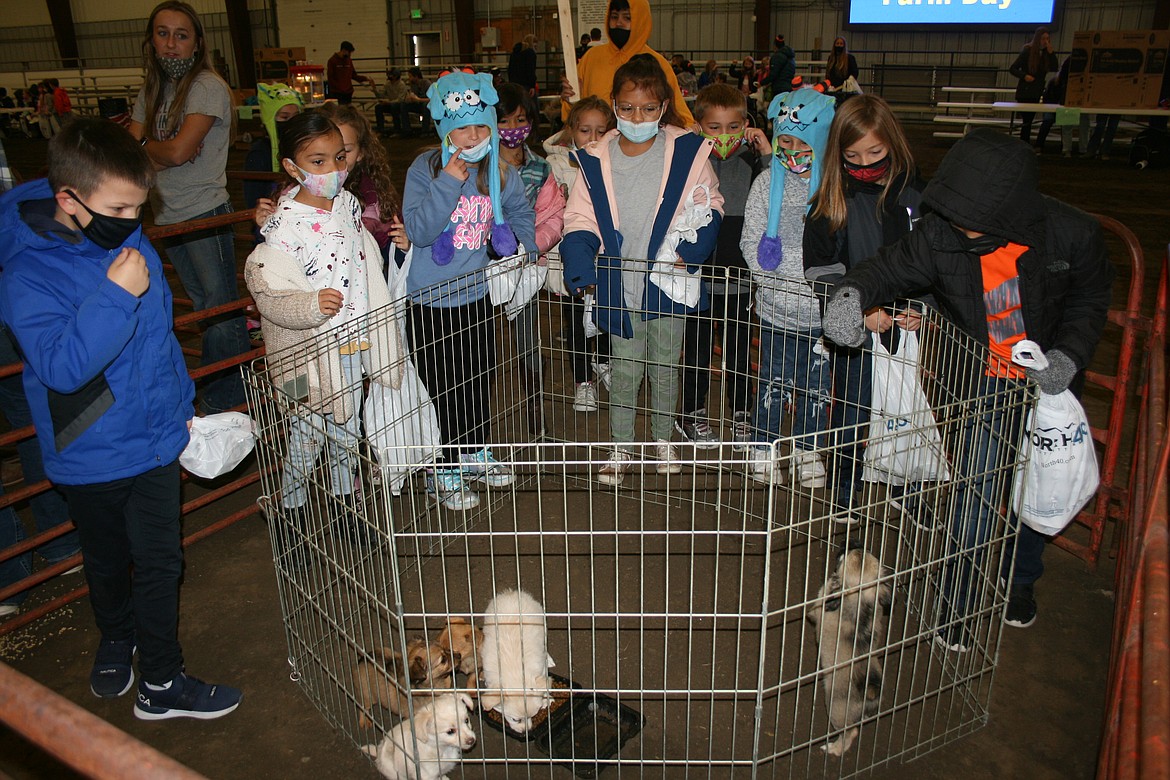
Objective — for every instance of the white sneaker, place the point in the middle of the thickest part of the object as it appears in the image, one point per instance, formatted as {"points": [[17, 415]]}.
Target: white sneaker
{"points": [[808, 469], [762, 467], [604, 372], [448, 486], [614, 471], [668, 456], [8, 609], [741, 431], [585, 397], [483, 467]]}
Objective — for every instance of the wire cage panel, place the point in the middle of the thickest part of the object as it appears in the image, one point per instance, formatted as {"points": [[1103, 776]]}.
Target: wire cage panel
{"points": [[705, 616]]}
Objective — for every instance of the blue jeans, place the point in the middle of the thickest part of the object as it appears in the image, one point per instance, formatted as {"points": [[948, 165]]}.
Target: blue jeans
{"points": [[206, 265], [49, 508], [852, 397], [987, 443], [794, 370], [308, 435]]}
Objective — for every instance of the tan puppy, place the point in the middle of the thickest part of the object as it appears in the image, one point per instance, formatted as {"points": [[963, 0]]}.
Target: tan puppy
{"points": [[427, 666], [442, 731], [464, 643], [852, 618]]}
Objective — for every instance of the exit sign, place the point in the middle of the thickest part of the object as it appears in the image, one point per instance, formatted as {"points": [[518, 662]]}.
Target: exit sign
{"points": [[415, 13]]}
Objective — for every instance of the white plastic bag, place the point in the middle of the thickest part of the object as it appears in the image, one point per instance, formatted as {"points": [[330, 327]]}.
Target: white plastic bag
{"points": [[904, 444], [528, 284], [679, 284], [1061, 474], [402, 426], [587, 322], [218, 443], [503, 275]]}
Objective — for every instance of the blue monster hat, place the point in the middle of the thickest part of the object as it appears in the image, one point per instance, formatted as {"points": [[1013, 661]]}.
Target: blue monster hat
{"points": [[805, 114], [457, 99]]}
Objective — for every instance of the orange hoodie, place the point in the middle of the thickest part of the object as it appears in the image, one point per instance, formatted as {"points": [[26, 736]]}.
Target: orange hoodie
{"points": [[596, 68]]}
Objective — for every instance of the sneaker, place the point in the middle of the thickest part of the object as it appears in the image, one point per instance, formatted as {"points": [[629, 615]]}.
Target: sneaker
{"points": [[845, 517], [741, 431], [483, 467], [762, 467], [7, 610], [614, 471], [955, 638], [448, 486], [585, 397], [604, 372], [808, 469], [695, 429], [74, 570], [113, 668], [667, 455], [1021, 607], [185, 697]]}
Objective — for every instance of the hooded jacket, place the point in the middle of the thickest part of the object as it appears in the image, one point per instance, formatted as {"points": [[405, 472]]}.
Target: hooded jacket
{"points": [[988, 183], [595, 70], [105, 378], [592, 225]]}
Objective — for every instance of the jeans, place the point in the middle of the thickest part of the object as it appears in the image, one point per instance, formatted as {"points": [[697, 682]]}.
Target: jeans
{"points": [[988, 440], [731, 310], [1026, 120], [1103, 131], [133, 563], [653, 351], [794, 370], [49, 508], [579, 345], [852, 396], [340, 441], [524, 329], [206, 265], [394, 110]]}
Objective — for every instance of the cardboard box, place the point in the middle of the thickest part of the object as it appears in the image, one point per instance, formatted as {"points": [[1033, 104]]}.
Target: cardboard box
{"points": [[290, 55], [1117, 68]]}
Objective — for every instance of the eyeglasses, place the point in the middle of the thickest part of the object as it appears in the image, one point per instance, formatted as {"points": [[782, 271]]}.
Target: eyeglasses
{"points": [[651, 112]]}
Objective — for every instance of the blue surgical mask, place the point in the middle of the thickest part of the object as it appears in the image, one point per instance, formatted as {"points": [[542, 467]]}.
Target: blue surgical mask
{"points": [[637, 132], [475, 153]]}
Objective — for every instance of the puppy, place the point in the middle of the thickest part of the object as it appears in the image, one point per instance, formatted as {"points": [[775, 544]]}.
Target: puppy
{"points": [[852, 618], [463, 642], [515, 659], [426, 666], [442, 730]]}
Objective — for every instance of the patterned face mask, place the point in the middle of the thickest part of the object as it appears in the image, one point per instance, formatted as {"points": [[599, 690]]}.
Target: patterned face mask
{"points": [[513, 137], [726, 143], [322, 185], [176, 68], [868, 173], [796, 160]]}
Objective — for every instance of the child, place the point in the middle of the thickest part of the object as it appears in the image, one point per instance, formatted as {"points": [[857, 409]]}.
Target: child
{"points": [[85, 297], [312, 279], [514, 120], [457, 197], [278, 103], [589, 119], [634, 182], [793, 361], [869, 198], [721, 112]]}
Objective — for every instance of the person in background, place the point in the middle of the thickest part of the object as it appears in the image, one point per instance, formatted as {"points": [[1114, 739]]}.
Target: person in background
{"points": [[61, 103], [522, 64], [1031, 67], [583, 46], [708, 74], [183, 117], [340, 74], [629, 24], [415, 101], [840, 65], [278, 103], [1055, 93], [47, 111], [595, 37], [781, 68], [1101, 142], [391, 96]]}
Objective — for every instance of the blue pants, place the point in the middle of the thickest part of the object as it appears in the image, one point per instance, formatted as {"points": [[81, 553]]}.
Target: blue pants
{"points": [[206, 265], [794, 370], [852, 396]]}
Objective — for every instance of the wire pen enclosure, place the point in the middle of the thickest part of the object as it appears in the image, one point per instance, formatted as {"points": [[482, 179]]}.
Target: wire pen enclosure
{"points": [[710, 614]]}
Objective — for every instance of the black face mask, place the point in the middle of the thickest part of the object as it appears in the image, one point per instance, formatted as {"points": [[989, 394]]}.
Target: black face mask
{"points": [[106, 232], [619, 35], [838, 49], [980, 245]]}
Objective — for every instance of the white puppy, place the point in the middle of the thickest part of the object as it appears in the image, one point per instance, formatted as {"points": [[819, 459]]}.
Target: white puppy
{"points": [[515, 659], [443, 730]]}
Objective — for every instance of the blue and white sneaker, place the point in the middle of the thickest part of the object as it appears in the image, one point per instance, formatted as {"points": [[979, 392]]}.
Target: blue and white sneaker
{"points": [[113, 668], [448, 486], [185, 697], [483, 467]]}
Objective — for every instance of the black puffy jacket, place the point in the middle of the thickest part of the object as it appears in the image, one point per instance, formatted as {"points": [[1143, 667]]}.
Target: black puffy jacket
{"points": [[988, 183]]}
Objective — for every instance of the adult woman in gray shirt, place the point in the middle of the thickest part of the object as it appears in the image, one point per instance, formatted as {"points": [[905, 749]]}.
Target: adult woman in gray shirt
{"points": [[184, 117]]}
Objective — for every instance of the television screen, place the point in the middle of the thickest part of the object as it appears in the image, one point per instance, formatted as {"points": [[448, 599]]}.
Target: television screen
{"points": [[981, 13]]}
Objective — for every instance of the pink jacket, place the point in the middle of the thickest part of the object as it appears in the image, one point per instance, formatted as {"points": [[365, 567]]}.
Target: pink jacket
{"points": [[550, 215]]}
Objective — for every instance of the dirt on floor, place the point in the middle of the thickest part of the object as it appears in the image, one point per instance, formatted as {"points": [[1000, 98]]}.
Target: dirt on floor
{"points": [[1047, 701]]}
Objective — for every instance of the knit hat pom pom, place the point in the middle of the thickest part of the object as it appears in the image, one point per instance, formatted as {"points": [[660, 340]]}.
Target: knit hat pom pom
{"points": [[443, 249], [770, 252], [503, 239]]}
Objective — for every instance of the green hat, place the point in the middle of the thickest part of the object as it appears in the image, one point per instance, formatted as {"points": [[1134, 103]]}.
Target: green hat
{"points": [[271, 98]]}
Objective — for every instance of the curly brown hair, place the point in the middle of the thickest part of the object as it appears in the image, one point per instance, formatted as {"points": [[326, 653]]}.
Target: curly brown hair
{"points": [[374, 163]]}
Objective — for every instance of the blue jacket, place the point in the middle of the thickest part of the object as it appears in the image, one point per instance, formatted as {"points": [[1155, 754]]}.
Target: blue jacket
{"points": [[106, 381], [590, 228]]}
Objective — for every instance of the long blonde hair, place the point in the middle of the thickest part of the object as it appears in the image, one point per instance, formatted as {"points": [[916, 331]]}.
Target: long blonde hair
{"points": [[854, 119], [155, 79]]}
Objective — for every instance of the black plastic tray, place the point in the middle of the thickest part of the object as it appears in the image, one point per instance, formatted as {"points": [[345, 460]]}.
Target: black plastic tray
{"points": [[562, 704]]}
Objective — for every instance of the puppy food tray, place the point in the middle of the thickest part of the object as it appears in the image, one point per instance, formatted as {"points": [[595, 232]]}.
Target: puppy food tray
{"points": [[593, 734], [561, 694]]}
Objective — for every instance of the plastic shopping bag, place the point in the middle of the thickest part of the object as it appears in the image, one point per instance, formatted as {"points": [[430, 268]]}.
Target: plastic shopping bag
{"points": [[218, 443], [1060, 475], [904, 445], [402, 426]]}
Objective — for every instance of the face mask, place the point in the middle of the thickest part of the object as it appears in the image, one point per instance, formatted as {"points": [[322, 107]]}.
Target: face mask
{"points": [[637, 132], [176, 68], [475, 153], [838, 49], [107, 232], [796, 160], [322, 185], [868, 173], [980, 245], [513, 137], [619, 35], [725, 143]]}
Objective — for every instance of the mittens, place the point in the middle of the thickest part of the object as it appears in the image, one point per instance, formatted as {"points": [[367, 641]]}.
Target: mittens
{"points": [[843, 320], [1057, 377]]}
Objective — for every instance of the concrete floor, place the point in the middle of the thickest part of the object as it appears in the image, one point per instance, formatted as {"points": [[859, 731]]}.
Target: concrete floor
{"points": [[1047, 701]]}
